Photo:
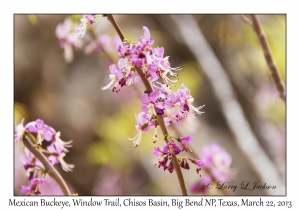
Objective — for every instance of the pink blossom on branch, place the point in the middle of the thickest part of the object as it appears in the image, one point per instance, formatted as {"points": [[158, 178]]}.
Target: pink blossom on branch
{"points": [[144, 123], [173, 106], [37, 131], [68, 40], [84, 22], [42, 130], [218, 160], [19, 131]]}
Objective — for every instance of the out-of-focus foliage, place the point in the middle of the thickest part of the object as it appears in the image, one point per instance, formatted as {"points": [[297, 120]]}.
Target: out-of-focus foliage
{"points": [[33, 19], [19, 112]]}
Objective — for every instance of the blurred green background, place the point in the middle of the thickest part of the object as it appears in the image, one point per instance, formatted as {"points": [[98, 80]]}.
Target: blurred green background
{"points": [[68, 97]]}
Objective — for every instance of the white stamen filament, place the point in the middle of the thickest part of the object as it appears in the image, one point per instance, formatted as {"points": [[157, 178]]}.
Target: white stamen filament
{"points": [[179, 110], [39, 137], [130, 82], [197, 109], [151, 108], [148, 58], [82, 27], [137, 139], [167, 90], [169, 113], [20, 131], [167, 80], [62, 144], [113, 78], [65, 166], [155, 135], [190, 101]]}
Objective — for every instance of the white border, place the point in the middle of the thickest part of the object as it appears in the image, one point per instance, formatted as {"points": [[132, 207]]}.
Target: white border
{"points": [[154, 6]]}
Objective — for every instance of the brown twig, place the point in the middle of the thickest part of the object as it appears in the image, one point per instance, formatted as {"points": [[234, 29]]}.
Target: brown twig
{"points": [[48, 166], [159, 117], [117, 28], [178, 172], [230, 107], [268, 56], [165, 132], [247, 20]]}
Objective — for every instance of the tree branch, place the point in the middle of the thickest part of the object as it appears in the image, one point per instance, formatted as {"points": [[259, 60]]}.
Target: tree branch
{"points": [[230, 107], [247, 20], [268, 56], [117, 28], [159, 117], [48, 166]]}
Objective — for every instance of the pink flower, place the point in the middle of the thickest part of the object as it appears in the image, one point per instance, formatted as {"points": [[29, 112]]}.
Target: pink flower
{"points": [[185, 140], [187, 100], [200, 163], [25, 189], [37, 180], [34, 187], [170, 167], [57, 143], [157, 152], [58, 157], [146, 39], [90, 18], [164, 156], [67, 38], [184, 164], [30, 160], [148, 102], [144, 123], [19, 131], [218, 160], [42, 130], [115, 77], [35, 170], [166, 148], [203, 185], [84, 22]]}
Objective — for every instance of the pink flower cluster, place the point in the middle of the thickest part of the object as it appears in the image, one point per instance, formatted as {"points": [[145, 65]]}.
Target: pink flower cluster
{"points": [[163, 101], [173, 106], [37, 131], [140, 55], [164, 156], [218, 162], [68, 39]]}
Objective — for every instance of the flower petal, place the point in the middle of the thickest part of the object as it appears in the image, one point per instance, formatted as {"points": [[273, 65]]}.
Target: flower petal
{"points": [[153, 97], [145, 99], [146, 32]]}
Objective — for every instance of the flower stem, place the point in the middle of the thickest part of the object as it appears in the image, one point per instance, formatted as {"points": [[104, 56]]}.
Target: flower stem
{"points": [[117, 28], [159, 117], [268, 56], [178, 172], [48, 166]]}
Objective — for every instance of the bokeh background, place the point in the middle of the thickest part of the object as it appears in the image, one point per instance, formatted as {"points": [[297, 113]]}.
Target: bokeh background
{"points": [[68, 97]]}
